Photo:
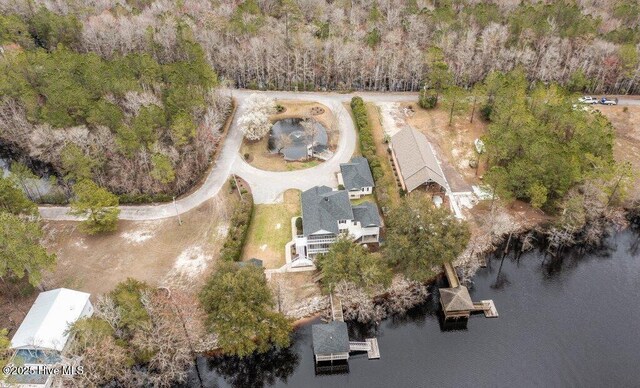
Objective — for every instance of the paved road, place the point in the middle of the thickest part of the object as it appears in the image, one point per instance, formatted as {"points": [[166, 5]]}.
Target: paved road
{"points": [[267, 186]]}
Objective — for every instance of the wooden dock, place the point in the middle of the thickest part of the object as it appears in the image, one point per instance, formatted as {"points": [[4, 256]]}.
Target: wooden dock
{"points": [[451, 274], [336, 308], [451, 298], [370, 346], [490, 311], [487, 307], [374, 351]]}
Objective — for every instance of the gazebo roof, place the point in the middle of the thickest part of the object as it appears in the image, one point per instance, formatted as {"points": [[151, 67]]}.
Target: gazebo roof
{"points": [[456, 299]]}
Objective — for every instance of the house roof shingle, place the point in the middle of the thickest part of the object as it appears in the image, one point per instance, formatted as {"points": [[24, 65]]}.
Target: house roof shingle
{"points": [[367, 214], [322, 208], [330, 338], [417, 162], [356, 174]]}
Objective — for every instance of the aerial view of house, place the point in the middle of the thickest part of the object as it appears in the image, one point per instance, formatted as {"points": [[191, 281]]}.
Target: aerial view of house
{"points": [[328, 214], [319, 193]]}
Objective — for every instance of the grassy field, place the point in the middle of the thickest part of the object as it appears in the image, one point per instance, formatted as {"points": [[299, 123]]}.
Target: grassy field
{"points": [[270, 230]]}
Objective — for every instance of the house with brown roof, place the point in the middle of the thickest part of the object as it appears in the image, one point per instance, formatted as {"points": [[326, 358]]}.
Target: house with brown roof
{"points": [[415, 161]]}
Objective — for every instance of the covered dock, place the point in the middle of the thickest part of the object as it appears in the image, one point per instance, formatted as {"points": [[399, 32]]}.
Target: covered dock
{"points": [[330, 341], [456, 302]]}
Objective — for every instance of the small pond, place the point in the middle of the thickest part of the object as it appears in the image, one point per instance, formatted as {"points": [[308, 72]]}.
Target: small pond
{"points": [[297, 139]]}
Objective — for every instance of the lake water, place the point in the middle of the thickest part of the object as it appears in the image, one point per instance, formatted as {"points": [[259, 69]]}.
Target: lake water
{"points": [[573, 322]]}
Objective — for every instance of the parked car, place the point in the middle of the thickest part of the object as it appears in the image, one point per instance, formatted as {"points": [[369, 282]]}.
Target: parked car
{"points": [[606, 101], [588, 100]]}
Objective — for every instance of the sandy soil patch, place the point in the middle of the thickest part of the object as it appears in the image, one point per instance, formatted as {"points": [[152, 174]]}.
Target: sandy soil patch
{"points": [[626, 121], [297, 295], [159, 252], [393, 119]]}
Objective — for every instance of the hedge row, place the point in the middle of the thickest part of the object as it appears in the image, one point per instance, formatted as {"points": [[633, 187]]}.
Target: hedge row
{"points": [[240, 221], [367, 143]]}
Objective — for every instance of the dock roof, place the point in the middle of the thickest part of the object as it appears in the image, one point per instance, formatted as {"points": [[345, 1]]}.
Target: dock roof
{"points": [[330, 338], [456, 299]]}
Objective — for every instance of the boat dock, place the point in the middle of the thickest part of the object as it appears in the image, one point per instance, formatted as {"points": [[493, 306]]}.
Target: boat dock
{"points": [[331, 340], [456, 302], [336, 308], [370, 346], [487, 307]]}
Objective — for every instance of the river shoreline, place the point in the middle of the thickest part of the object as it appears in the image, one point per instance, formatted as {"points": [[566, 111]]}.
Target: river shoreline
{"points": [[555, 316]]}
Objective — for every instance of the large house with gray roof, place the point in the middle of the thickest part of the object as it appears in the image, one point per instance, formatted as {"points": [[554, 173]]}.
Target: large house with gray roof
{"points": [[328, 214], [356, 177], [415, 161]]}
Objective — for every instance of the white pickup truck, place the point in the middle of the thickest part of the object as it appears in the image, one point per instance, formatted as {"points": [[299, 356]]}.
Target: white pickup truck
{"points": [[588, 100]]}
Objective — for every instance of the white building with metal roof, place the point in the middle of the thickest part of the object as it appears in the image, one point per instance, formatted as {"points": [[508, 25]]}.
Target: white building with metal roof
{"points": [[46, 325]]}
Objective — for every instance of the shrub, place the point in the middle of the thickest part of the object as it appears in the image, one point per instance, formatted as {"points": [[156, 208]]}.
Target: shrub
{"points": [[240, 221], [428, 99], [485, 112], [299, 225]]}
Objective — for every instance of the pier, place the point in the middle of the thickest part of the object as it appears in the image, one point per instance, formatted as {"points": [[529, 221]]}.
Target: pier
{"points": [[456, 302], [331, 340]]}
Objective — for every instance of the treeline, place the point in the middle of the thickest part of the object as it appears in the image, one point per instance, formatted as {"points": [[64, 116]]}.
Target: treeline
{"points": [[372, 45], [133, 124]]}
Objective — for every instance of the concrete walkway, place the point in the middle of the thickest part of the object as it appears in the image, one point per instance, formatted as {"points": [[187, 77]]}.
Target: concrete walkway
{"points": [[267, 186]]}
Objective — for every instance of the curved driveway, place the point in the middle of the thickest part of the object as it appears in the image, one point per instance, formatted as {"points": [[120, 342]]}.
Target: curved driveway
{"points": [[267, 186]]}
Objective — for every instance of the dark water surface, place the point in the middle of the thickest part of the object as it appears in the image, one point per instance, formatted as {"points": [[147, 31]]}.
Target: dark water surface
{"points": [[299, 139], [574, 322]]}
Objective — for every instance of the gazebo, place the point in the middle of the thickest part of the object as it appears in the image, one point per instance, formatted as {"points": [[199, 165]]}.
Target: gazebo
{"points": [[456, 302]]}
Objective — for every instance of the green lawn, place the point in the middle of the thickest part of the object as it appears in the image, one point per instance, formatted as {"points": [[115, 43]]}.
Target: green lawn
{"points": [[270, 230]]}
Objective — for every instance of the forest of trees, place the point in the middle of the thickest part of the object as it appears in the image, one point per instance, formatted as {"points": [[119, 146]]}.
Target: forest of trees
{"points": [[540, 145], [366, 44], [132, 123], [130, 82]]}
